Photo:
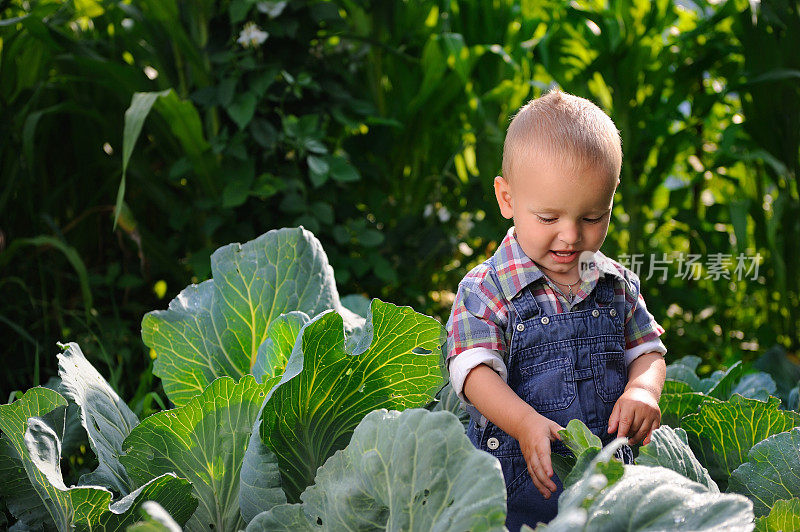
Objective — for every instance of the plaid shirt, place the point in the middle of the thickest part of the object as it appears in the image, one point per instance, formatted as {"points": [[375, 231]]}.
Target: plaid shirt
{"points": [[480, 313]]}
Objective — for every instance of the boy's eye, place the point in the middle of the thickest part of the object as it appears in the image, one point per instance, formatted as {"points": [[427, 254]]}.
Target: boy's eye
{"points": [[593, 220], [546, 220]]}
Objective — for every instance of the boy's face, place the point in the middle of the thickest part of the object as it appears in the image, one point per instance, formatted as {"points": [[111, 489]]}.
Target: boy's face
{"points": [[557, 209]]}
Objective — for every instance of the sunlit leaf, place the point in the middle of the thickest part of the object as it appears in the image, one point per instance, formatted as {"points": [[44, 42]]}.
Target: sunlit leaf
{"points": [[332, 381], [771, 473], [722, 433], [106, 418], [215, 328], [669, 448], [414, 470], [203, 441]]}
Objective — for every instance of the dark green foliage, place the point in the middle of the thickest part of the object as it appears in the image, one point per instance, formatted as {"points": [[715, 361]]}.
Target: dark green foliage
{"points": [[378, 126]]}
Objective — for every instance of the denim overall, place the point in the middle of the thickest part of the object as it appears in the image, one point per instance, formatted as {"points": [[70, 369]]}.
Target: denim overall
{"points": [[567, 365]]}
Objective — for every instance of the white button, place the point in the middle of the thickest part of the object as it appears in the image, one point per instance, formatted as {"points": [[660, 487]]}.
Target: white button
{"points": [[492, 443], [613, 312], [520, 327], [545, 320], [595, 313]]}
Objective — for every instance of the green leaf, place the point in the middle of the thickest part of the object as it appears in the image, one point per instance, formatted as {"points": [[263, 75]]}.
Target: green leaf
{"points": [[614, 497], [671, 386], [242, 109], [274, 352], [184, 122], [771, 471], [342, 171], [38, 446], [679, 372], [578, 438], [448, 400], [357, 303], [333, 380], [106, 417], [318, 169], [17, 492], [260, 482], [88, 8], [370, 238], [141, 103], [215, 328], [784, 515], [722, 433], [584, 445], [690, 361], [414, 470], [600, 472], [675, 406], [785, 372], [652, 498], [723, 387], [756, 386], [793, 402], [16, 489], [669, 448], [156, 519], [203, 441]]}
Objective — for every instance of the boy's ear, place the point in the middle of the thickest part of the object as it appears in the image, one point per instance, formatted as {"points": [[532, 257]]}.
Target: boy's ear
{"points": [[502, 191]]}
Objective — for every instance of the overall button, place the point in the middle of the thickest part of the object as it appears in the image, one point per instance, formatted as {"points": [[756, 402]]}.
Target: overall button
{"points": [[545, 320], [492, 443], [613, 312], [520, 327], [595, 313]]}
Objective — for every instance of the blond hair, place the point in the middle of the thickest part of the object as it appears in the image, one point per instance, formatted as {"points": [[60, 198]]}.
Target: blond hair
{"points": [[567, 129]]}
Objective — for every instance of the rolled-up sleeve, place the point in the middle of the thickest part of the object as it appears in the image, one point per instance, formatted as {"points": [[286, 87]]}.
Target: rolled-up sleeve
{"points": [[478, 319], [642, 332], [476, 330], [461, 365]]}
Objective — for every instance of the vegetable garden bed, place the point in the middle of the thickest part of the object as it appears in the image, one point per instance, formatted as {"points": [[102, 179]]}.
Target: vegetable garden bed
{"points": [[297, 410]]}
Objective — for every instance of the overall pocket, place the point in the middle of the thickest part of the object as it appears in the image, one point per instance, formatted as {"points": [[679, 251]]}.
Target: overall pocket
{"points": [[549, 386], [610, 375]]}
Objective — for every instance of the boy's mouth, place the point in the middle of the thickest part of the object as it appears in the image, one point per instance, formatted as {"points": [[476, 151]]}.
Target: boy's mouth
{"points": [[564, 256]]}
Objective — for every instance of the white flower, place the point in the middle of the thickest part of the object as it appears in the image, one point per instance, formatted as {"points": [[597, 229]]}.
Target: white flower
{"points": [[252, 35], [272, 9], [127, 23], [428, 210], [443, 214]]}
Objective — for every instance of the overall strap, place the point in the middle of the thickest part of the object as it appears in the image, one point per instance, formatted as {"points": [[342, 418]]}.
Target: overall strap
{"points": [[604, 291]]}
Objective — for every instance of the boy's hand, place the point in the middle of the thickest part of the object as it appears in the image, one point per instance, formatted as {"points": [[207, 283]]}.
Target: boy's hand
{"points": [[636, 414], [534, 436]]}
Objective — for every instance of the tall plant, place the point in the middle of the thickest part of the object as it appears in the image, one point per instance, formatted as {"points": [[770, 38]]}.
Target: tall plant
{"points": [[769, 90]]}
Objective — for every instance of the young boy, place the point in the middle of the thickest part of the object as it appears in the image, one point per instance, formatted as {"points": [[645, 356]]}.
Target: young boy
{"points": [[549, 329]]}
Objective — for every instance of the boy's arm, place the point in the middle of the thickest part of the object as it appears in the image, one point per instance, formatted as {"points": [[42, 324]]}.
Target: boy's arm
{"points": [[636, 413], [648, 371], [487, 391]]}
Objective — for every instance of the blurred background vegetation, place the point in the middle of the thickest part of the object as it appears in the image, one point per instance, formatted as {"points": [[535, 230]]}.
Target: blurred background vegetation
{"points": [[378, 125]]}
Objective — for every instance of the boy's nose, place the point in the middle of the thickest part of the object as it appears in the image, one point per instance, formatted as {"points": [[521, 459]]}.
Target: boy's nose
{"points": [[570, 235]]}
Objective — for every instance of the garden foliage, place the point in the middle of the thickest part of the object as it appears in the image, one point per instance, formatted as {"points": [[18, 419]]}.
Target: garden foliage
{"points": [[330, 434], [379, 126], [137, 132]]}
